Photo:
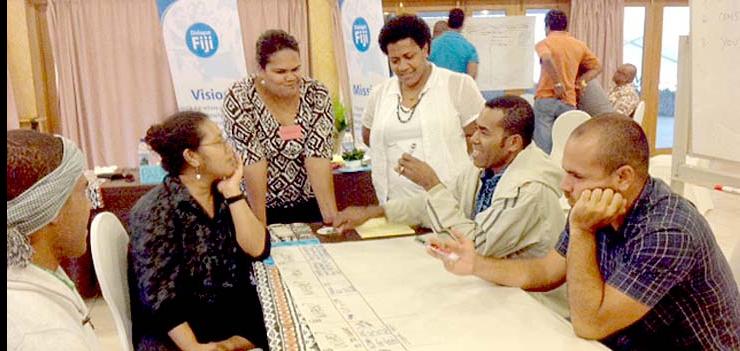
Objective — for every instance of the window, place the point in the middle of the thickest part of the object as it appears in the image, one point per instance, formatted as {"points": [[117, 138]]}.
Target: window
{"points": [[539, 34], [675, 24], [431, 17], [634, 37], [489, 13]]}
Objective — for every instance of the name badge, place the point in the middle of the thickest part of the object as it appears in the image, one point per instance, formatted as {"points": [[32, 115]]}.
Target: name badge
{"points": [[290, 132]]}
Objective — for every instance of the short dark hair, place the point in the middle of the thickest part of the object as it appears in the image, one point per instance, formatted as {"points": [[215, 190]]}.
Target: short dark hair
{"points": [[556, 20], [456, 18], [621, 142], [177, 133], [402, 27], [518, 116], [31, 156], [273, 41]]}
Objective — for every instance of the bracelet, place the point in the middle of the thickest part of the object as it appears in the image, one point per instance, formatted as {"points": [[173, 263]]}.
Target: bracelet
{"points": [[233, 199]]}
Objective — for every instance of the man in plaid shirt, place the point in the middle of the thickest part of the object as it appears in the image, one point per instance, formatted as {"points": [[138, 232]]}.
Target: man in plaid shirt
{"points": [[642, 265]]}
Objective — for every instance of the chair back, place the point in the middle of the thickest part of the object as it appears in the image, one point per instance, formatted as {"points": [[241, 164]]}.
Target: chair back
{"points": [[528, 97], [639, 114], [561, 129], [109, 249]]}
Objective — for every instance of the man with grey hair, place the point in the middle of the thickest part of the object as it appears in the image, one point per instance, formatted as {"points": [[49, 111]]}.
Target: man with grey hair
{"points": [[642, 265], [47, 214]]}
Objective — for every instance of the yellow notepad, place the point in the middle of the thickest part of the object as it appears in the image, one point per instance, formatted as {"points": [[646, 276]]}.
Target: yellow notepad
{"points": [[379, 227]]}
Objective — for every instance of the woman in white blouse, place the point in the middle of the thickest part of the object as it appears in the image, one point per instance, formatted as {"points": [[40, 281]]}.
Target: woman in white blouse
{"points": [[423, 109]]}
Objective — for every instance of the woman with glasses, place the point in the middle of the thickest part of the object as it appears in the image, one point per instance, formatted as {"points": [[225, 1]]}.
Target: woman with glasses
{"points": [[193, 239], [423, 110], [282, 123]]}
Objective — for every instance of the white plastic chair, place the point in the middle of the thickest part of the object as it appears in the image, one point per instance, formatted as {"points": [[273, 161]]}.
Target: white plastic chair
{"points": [[561, 129], [639, 112], [528, 97], [109, 248]]}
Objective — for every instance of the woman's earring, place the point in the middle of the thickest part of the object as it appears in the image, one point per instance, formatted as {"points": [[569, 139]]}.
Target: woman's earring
{"points": [[263, 82], [197, 172]]}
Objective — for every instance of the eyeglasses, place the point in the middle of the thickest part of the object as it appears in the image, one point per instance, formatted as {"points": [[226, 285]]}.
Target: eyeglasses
{"points": [[221, 142]]}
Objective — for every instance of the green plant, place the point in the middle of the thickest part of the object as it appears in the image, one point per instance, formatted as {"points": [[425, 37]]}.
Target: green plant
{"points": [[340, 120], [354, 155]]}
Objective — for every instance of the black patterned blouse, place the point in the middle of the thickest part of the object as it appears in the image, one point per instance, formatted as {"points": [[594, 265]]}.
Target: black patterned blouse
{"points": [[187, 267], [253, 131]]}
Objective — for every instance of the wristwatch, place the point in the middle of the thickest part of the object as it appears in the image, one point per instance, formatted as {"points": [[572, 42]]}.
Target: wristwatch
{"points": [[233, 199]]}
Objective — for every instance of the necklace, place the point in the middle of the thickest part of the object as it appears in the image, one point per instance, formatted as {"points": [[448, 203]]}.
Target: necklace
{"points": [[410, 110]]}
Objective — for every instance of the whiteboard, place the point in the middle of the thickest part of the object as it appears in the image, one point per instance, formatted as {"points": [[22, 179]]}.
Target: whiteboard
{"points": [[505, 46], [715, 79]]}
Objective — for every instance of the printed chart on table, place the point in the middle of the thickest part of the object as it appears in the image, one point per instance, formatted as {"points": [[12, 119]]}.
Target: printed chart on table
{"points": [[390, 295]]}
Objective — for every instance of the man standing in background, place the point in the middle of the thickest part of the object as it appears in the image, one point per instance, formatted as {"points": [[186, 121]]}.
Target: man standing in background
{"points": [[561, 55], [451, 50]]}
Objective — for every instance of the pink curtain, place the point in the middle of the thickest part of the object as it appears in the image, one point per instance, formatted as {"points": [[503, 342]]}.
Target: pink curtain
{"points": [[599, 24], [257, 16], [112, 70], [12, 111], [112, 74]]}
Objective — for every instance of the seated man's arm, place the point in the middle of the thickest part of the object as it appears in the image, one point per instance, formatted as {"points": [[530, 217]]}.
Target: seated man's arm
{"points": [[537, 274], [404, 210], [657, 261], [508, 226]]}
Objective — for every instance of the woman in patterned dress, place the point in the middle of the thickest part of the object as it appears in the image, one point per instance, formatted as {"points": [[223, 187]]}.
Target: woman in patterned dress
{"points": [[282, 123], [193, 241]]}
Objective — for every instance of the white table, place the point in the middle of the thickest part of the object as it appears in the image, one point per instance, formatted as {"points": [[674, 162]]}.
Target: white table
{"points": [[390, 295]]}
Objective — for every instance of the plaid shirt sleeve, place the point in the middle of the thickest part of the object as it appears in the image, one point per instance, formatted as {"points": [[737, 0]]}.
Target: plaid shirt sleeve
{"points": [[656, 263], [562, 245]]}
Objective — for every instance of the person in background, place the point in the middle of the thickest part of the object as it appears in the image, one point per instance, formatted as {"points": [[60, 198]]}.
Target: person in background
{"points": [[439, 28], [643, 268], [561, 56], [452, 51], [282, 123], [423, 109], [507, 202], [47, 214], [624, 96], [193, 241], [592, 99]]}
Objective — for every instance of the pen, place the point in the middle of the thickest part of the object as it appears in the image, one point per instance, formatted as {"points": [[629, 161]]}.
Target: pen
{"points": [[411, 152], [727, 189]]}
